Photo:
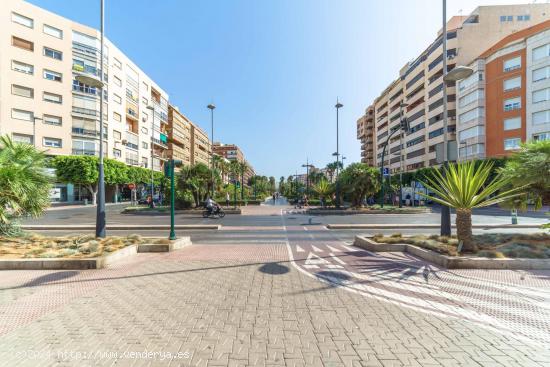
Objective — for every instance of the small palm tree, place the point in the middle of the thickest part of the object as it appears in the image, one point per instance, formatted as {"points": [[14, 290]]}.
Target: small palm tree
{"points": [[24, 182], [463, 186], [323, 189]]}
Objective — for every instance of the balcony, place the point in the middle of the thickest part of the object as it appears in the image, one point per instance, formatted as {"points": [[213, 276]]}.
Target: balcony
{"points": [[88, 132], [132, 162], [85, 111], [131, 113], [85, 152]]}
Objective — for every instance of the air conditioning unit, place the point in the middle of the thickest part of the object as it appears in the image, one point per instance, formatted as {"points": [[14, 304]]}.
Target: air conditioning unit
{"points": [[124, 141], [143, 119]]}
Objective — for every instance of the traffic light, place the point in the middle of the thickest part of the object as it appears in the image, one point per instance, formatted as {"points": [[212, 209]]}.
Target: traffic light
{"points": [[405, 124]]}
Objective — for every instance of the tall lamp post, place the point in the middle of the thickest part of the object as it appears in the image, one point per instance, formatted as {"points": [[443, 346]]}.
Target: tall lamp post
{"points": [[211, 107], [403, 129], [338, 105], [152, 108], [307, 166], [92, 81], [343, 159]]}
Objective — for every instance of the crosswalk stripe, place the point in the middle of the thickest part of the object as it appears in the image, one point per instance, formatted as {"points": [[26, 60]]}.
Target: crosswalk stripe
{"points": [[316, 249], [350, 248], [337, 259], [299, 249], [333, 249]]}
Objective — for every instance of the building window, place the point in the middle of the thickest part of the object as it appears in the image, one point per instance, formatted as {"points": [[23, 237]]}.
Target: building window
{"points": [[512, 123], [22, 114], [541, 136], [506, 18], [144, 145], [471, 115], [117, 98], [477, 94], [512, 144], [117, 117], [52, 120], [541, 95], [52, 142], [83, 88], [21, 43], [511, 84], [52, 75], [21, 91], [117, 135], [145, 101], [523, 18], [511, 104], [22, 138], [84, 147], [52, 31], [512, 64], [52, 97], [541, 52], [22, 67], [117, 63], [20, 19], [541, 117], [118, 81], [471, 132], [541, 74], [54, 54], [117, 153]]}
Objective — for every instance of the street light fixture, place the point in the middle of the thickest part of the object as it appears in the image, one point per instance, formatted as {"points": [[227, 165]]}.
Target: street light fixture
{"points": [[307, 166], [211, 107], [100, 225], [338, 105], [343, 159]]}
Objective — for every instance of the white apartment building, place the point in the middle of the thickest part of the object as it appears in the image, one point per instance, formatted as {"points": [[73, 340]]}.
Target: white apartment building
{"points": [[420, 85], [538, 86], [42, 103]]}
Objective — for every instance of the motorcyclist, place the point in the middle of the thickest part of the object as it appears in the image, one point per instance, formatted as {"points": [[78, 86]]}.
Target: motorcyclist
{"points": [[211, 205]]}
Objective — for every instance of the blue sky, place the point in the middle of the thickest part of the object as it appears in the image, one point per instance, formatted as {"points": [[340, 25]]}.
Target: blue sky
{"points": [[274, 68]]}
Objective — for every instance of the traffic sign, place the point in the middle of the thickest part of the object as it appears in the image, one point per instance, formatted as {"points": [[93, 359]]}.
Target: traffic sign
{"points": [[386, 172]]}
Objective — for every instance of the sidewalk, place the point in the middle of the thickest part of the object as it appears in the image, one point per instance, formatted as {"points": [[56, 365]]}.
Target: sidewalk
{"points": [[65, 206]]}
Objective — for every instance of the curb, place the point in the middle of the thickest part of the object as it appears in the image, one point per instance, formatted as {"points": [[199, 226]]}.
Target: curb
{"points": [[87, 227], [373, 211], [451, 262], [409, 225], [93, 262]]}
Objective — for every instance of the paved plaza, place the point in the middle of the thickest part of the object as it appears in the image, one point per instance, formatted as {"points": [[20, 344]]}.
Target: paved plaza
{"points": [[284, 291]]}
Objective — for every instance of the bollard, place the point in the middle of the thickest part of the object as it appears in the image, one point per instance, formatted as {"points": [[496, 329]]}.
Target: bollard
{"points": [[514, 216]]}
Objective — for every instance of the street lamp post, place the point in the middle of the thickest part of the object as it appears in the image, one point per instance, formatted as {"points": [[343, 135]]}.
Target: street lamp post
{"points": [[100, 225], [152, 108], [343, 159], [403, 127], [382, 166], [338, 105], [307, 166], [211, 107]]}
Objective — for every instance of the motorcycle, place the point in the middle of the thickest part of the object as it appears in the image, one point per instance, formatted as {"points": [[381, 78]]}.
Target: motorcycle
{"points": [[218, 211]]}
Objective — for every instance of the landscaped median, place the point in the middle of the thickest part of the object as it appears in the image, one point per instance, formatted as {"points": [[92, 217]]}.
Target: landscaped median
{"points": [[35, 252], [427, 226], [166, 210], [120, 227], [369, 210], [496, 251]]}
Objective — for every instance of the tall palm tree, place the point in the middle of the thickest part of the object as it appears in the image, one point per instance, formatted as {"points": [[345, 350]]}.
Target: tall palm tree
{"points": [[24, 181], [323, 188], [463, 186]]}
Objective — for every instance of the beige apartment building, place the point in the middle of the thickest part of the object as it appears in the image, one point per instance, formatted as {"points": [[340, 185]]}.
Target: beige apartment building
{"points": [[365, 132], [232, 152], [42, 103], [417, 92], [180, 137], [201, 149]]}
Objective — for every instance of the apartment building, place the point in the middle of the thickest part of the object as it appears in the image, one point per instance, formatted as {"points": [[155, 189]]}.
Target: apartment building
{"points": [[507, 99], [180, 137], [201, 149], [417, 92], [42, 103], [365, 133], [232, 152]]}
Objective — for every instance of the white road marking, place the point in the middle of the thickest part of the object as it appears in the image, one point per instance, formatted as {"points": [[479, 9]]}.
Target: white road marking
{"points": [[316, 249], [313, 259], [333, 249], [299, 249], [337, 259], [311, 267], [334, 266], [350, 248], [305, 229]]}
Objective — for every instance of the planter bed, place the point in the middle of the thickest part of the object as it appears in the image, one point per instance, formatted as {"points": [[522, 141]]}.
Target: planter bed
{"points": [[77, 252], [350, 211], [166, 210], [445, 255]]}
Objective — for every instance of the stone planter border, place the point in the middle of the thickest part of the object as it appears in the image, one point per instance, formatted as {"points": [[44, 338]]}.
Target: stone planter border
{"points": [[93, 262], [317, 211], [452, 262]]}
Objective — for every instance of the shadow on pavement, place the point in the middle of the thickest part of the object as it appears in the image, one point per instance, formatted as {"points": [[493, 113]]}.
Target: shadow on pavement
{"points": [[274, 269]]}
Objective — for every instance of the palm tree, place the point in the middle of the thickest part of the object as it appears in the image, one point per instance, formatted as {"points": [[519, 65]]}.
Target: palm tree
{"points": [[331, 169], [359, 181], [24, 182], [323, 188], [465, 186]]}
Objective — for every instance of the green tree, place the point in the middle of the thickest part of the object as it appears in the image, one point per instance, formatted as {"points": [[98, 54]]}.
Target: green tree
{"points": [[197, 180], [272, 187], [530, 167], [359, 181], [323, 188], [465, 186], [24, 182], [79, 170]]}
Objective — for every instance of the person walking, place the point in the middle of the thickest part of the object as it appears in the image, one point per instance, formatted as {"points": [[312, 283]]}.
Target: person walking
{"points": [[227, 199]]}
